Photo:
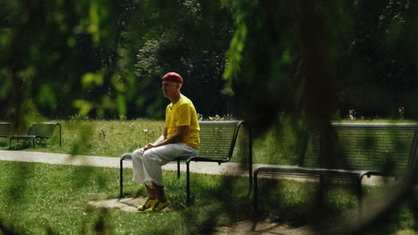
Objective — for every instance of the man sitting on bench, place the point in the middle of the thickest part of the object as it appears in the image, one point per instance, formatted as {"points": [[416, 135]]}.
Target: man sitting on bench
{"points": [[180, 138]]}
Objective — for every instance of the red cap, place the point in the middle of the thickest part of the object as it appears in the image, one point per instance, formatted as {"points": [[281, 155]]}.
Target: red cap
{"points": [[174, 77]]}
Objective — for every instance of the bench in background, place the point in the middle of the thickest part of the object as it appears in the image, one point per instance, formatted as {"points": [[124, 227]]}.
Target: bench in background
{"points": [[38, 133], [362, 149], [7, 129], [217, 144]]}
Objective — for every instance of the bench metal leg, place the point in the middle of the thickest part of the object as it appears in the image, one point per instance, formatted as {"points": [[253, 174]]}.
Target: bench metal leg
{"points": [[30, 139], [124, 156], [359, 196], [129, 156], [255, 192], [188, 183], [121, 179], [60, 131], [250, 159], [178, 169]]}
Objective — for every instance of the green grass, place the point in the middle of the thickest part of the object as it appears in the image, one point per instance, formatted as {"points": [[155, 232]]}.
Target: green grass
{"points": [[53, 199], [41, 198], [103, 138]]}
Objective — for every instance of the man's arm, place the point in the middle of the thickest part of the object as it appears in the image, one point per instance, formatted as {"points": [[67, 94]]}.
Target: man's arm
{"points": [[181, 131]]}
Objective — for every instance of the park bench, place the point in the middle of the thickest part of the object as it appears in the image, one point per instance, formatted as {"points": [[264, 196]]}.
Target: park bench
{"points": [[361, 149], [38, 133], [217, 144], [7, 129]]}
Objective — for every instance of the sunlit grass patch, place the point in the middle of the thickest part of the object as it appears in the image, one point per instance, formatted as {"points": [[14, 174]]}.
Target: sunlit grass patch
{"points": [[102, 137], [38, 198]]}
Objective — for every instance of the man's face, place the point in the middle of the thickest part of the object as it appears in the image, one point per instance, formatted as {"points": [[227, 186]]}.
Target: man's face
{"points": [[169, 88]]}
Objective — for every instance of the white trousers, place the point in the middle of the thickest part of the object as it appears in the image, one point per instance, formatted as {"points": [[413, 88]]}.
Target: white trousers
{"points": [[147, 165]]}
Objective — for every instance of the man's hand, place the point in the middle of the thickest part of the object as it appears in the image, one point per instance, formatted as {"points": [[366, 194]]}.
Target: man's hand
{"points": [[181, 131], [148, 146]]}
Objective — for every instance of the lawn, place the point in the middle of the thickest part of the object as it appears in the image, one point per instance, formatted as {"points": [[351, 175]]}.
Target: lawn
{"points": [[53, 199], [41, 198]]}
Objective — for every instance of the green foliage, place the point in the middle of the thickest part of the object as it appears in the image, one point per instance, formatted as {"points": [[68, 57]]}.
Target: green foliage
{"points": [[105, 58], [191, 40], [315, 59], [31, 60], [288, 54], [379, 67], [347, 52], [309, 60], [305, 59]]}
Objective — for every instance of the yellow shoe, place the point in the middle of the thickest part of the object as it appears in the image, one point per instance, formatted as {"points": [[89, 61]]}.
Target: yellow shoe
{"points": [[159, 206], [149, 203]]}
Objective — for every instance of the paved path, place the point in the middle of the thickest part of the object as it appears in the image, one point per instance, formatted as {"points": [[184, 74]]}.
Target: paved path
{"points": [[227, 168], [102, 161]]}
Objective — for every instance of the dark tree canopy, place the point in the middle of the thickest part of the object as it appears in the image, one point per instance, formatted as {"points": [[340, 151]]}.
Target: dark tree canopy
{"points": [[104, 59]]}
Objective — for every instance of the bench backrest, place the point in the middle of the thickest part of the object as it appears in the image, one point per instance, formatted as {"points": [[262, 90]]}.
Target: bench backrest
{"points": [[42, 130], [384, 148], [217, 139], [7, 129]]}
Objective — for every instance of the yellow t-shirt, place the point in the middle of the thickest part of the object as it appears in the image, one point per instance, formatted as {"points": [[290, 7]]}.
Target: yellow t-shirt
{"points": [[183, 113]]}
